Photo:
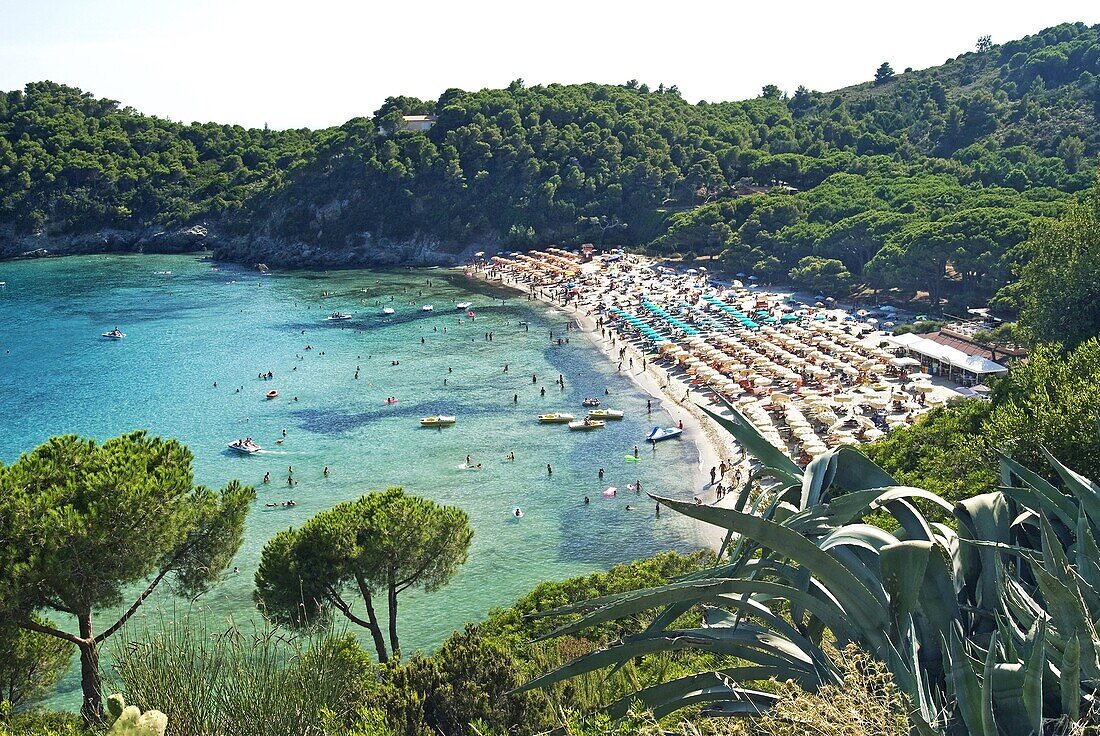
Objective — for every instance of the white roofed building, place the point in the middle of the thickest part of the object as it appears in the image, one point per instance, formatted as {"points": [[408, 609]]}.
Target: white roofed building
{"points": [[943, 360]]}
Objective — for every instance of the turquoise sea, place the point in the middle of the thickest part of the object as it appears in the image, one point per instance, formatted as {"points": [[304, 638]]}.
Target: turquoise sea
{"points": [[197, 326]]}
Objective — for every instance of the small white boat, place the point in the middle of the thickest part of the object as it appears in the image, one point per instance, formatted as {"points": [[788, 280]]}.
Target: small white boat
{"points": [[591, 403], [115, 334], [586, 424], [517, 512], [437, 421], [660, 434], [337, 317], [427, 308], [162, 273], [388, 311], [245, 447], [463, 305], [605, 414], [556, 417]]}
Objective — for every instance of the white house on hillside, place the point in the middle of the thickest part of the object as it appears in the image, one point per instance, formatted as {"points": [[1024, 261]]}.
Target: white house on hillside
{"points": [[419, 122]]}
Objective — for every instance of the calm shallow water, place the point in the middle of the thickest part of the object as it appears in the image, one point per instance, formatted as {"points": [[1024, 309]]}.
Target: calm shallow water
{"points": [[198, 326]]}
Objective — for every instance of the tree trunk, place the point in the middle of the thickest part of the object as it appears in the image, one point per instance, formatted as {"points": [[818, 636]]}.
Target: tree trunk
{"points": [[92, 709], [374, 627], [392, 600]]}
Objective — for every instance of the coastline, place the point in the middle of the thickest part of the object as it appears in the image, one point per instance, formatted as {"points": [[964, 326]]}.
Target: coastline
{"points": [[671, 394]]}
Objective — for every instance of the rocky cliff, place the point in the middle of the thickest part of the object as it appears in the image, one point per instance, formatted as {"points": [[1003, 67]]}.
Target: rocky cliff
{"points": [[146, 240], [277, 252]]}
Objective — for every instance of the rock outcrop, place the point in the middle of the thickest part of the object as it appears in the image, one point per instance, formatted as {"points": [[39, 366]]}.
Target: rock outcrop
{"points": [[146, 240]]}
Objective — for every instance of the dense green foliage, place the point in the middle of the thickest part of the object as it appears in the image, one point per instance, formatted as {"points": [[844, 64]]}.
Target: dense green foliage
{"points": [[245, 682], [985, 625], [379, 545], [82, 522], [921, 181], [72, 163], [30, 664], [468, 679], [1060, 283], [1052, 401]]}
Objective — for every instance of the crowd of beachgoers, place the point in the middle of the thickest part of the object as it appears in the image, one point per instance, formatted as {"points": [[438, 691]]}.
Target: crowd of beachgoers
{"points": [[809, 374]]}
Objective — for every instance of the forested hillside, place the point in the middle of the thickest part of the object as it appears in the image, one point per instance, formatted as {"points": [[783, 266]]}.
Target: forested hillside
{"points": [[922, 180]]}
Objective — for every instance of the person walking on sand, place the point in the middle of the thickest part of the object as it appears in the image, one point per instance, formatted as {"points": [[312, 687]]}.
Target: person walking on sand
{"points": [[713, 471]]}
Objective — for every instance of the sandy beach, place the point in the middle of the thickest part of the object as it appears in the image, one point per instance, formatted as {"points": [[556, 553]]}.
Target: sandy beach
{"points": [[714, 444]]}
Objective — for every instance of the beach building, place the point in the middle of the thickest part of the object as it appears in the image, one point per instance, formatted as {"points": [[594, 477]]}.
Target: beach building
{"points": [[945, 360], [419, 122]]}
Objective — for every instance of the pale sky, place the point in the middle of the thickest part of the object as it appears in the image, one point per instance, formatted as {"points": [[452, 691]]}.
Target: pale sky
{"points": [[317, 63]]}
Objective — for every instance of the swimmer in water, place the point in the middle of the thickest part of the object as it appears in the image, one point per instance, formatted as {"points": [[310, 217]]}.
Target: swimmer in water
{"points": [[267, 477]]}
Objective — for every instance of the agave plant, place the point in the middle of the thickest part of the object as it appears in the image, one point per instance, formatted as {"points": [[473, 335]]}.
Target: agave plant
{"points": [[987, 627]]}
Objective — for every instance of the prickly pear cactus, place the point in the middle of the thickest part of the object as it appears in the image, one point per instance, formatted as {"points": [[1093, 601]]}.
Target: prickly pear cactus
{"points": [[128, 720]]}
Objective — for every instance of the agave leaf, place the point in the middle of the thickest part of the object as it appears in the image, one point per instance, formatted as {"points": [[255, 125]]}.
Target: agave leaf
{"points": [[903, 566], [857, 600], [855, 471], [815, 481], [786, 480], [1044, 491], [857, 503], [1069, 679], [1027, 498], [964, 683], [913, 524], [989, 721], [1087, 554], [720, 618], [983, 517], [748, 642], [672, 690], [692, 592], [1006, 689], [1069, 616], [750, 702], [864, 536], [750, 438], [1084, 490], [1032, 690]]}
